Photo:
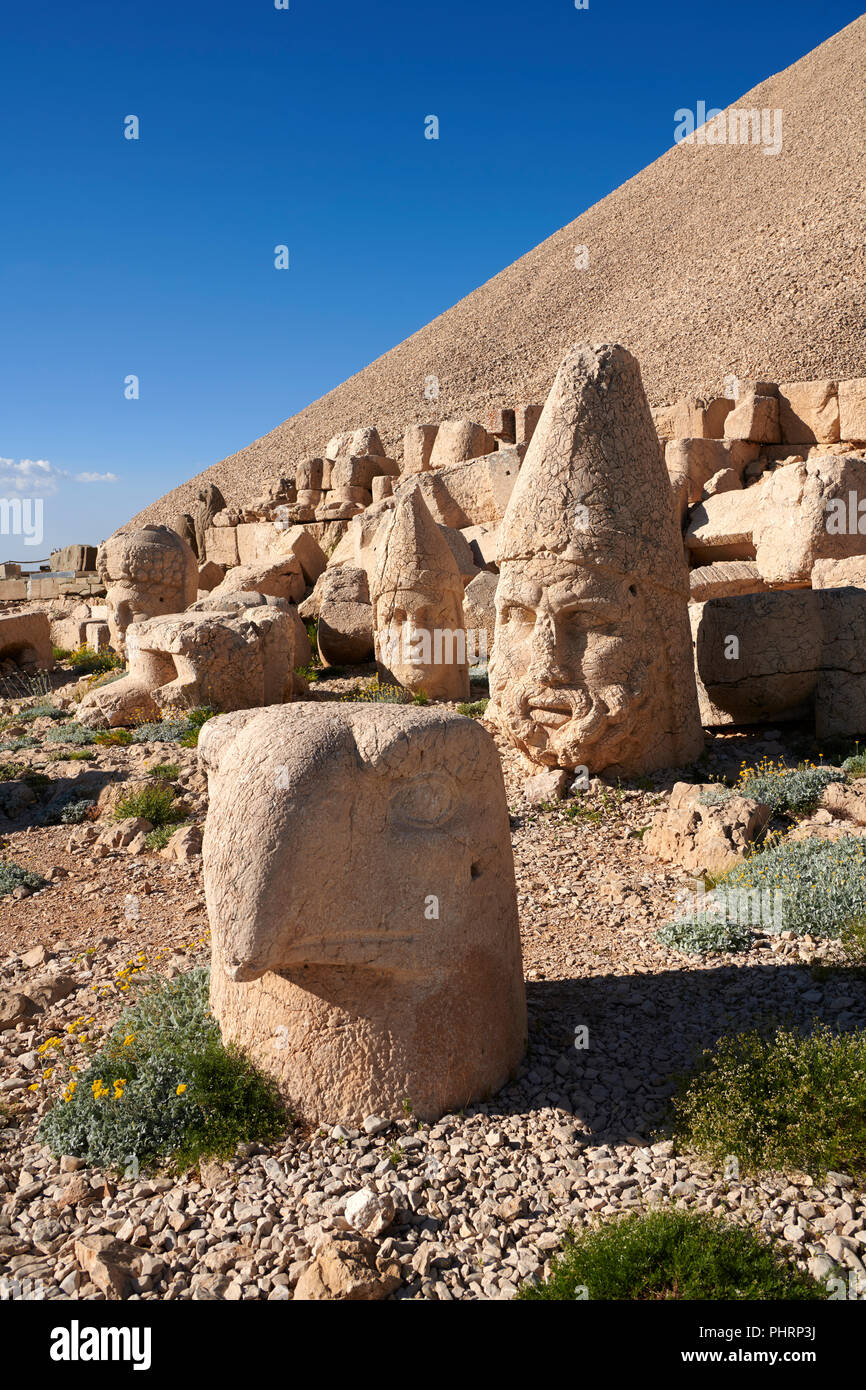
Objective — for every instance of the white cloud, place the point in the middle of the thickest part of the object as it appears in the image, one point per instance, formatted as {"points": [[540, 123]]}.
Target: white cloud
{"points": [[96, 477], [33, 477]]}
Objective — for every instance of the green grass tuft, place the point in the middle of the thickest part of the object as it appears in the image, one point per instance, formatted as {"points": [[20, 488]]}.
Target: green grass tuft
{"points": [[156, 804]]}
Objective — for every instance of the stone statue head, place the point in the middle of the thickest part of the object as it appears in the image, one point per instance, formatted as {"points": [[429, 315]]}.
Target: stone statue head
{"points": [[591, 662], [416, 592], [147, 572], [360, 889]]}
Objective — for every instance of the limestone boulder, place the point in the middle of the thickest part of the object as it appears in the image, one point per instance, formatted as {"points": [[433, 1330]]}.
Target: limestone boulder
{"points": [[839, 574], [458, 440], [702, 838], [852, 410], [754, 417], [25, 641], [468, 494], [479, 614], [418, 441], [784, 655], [809, 412], [210, 575], [720, 528], [345, 631], [280, 578], [397, 974], [724, 579], [806, 514]]}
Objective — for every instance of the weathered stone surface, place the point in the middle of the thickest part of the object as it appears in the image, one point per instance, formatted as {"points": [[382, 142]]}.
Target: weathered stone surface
{"points": [[754, 417], [306, 550], [808, 412], [705, 839], [784, 655], [499, 424], [852, 409], [526, 417], [77, 558], [479, 613], [347, 1269], [484, 541], [468, 494], [364, 440], [806, 514], [110, 1263], [210, 574], [308, 476], [458, 440], [696, 461], [221, 545], [417, 597], [146, 573], [281, 578], [397, 973], [720, 528], [591, 658], [549, 785], [208, 504], [369, 1211], [25, 640], [382, 487], [725, 578], [418, 441], [233, 658], [345, 631], [839, 574]]}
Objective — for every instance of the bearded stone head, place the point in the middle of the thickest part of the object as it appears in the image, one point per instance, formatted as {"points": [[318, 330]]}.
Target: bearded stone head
{"points": [[591, 662]]}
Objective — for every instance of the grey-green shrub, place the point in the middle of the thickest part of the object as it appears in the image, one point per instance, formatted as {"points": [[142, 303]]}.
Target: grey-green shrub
{"points": [[164, 1089]]}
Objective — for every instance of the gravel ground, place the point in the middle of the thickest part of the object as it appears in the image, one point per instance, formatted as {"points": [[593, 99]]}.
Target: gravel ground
{"points": [[467, 1208]]}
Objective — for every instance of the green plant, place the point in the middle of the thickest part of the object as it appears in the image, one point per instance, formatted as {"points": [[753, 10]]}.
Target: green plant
{"points": [[784, 789], [855, 766], [12, 876], [380, 692], [702, 934], [161, 731], [164, 772], [309, 673], [165, 1089], [61, 653], [40, 711], [854, 940], [156, 804], [158, 839], [70, 733], [87, 662], [15, 744], [672, 1254], [812, 885], [788, 1100], [114, 738], [474, 710], [10, 771], [196, 719], [74, 811]]}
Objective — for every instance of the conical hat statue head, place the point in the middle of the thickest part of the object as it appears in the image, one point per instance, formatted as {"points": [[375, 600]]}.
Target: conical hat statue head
{"points": [[592, 663]]}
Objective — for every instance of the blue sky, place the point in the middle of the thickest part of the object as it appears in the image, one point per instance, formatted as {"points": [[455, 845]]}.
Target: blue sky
{"points": [[303, 127]]}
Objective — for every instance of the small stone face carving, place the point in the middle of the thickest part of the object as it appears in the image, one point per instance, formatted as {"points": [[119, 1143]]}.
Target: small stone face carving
{"points": [[146, 573], [397, 972], [591, 663], [417, 597]]}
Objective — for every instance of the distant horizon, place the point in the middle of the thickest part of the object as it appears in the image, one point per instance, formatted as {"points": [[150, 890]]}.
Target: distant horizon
{"points": [[157, 163]]}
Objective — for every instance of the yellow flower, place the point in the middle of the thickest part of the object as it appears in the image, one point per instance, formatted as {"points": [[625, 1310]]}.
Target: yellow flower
{"points": [[128, 1039], [180, 1090], [34, 1087], [49, 1071]]}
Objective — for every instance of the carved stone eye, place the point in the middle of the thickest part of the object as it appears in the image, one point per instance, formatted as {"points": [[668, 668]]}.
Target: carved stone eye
{"points": [[427, 800]]}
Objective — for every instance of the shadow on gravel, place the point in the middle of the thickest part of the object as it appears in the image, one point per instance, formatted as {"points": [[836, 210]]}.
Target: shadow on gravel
{"points": [[642, 1030]]}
